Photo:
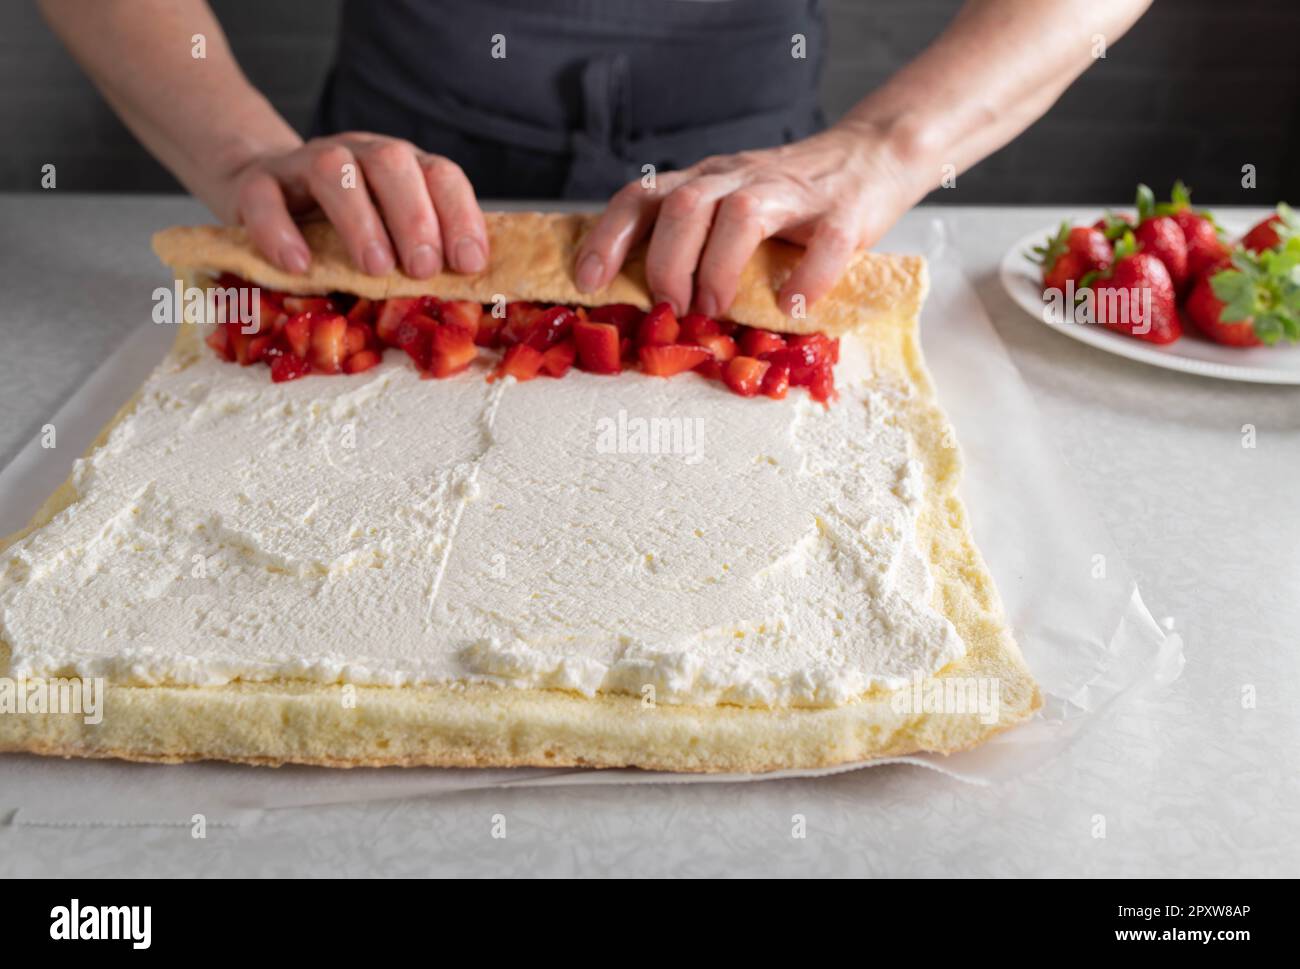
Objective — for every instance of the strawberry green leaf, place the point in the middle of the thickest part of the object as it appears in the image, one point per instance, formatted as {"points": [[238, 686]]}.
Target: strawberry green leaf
{"points": [[1126, 245], [1180, 198], [1289, 227], [1264, 288], [1112, 226], [1268, 328], [1146, 203], [1053, 249], [1180, 195]]}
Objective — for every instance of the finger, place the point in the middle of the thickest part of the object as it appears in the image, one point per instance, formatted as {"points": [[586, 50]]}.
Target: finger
{"points": [[627, 219], [262, 211], [736, 233], [339, 186], [460, 220], [679, 235], [397, 183], [829, 250]]}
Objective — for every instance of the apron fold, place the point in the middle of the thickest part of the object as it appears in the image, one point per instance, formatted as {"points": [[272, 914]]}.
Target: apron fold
{"points": [[587, 92]]}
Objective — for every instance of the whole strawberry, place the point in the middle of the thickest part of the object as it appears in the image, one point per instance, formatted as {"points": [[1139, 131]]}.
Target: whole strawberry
{"points": [[1205, 310], [1204, 247], [1273, 231], [1252, 298], [1136, 296], [1161, 236], [1071, 254], [1114, 224]]}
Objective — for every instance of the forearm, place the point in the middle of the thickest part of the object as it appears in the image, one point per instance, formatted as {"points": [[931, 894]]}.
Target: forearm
{"points": [[199, 116], [996, 69]]}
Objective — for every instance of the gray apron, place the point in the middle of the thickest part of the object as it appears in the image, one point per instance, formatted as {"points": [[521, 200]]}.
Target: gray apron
{"points": [[588, 91]]}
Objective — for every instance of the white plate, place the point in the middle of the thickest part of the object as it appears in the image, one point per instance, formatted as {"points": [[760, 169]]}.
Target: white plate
{"points": [[1191, 353]]}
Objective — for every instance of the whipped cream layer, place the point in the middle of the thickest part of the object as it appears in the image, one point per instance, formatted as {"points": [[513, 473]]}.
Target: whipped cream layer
{"points": [[592, 534]]}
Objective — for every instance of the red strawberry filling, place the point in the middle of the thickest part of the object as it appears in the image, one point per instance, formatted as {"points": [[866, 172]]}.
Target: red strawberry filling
{"points": [[300, 335]]}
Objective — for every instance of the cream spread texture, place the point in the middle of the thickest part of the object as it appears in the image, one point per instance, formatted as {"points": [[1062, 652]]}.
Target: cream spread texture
{"points": [[625, 534]]}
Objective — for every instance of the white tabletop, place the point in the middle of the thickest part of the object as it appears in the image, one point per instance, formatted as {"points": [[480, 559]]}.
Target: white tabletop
{"points": [[1193, 781]]}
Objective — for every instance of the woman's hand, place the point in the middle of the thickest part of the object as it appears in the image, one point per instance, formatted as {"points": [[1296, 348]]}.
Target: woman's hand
{"points": [[389, 201], [834, 192]]}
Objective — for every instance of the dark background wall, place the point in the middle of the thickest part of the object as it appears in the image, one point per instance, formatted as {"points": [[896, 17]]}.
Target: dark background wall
{"points": [[1197, 89]]}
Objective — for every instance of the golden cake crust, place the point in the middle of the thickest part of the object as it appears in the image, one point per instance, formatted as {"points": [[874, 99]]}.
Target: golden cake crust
{"points": [[532, 257], [483, 726]]}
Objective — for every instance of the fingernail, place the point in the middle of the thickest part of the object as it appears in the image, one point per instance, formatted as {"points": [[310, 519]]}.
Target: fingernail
{"points": [[423, 261], [794, 305], [376, 259], [470, 257], [295, 259], [708, 304], [662, 298], [590, 270]]}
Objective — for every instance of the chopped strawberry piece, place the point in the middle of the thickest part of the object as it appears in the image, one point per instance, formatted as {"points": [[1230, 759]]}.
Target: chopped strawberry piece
{"points": [[744, 375], [696, 326], [803, 355], [710, 369], [598, 347], [289, 367], [825, 348], [308, 304], [259, 346], [776, 382], [390, 316], [363, 311], [357, 338], [447, 365], [429, 306], [519, 321], [625, 316], [360, 361], [551, 327], [722, 347], [219, 340], [241, 344], [489, 329], [328, 342], [270, 314], [665, 361], [422, 321], [521, 362], [406, 332], [463, 313], [305, 334], [296, 333], [755, 343], [417, 346], [659, 327], [452, 349], [558, 359], [451, 339], [822, 384]]}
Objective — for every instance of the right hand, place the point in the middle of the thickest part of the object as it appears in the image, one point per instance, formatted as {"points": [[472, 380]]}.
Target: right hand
{"points": [[403, 204]]}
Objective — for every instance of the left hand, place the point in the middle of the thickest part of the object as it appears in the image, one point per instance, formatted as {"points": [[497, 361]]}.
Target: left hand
{"points": [[834, 192]]}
